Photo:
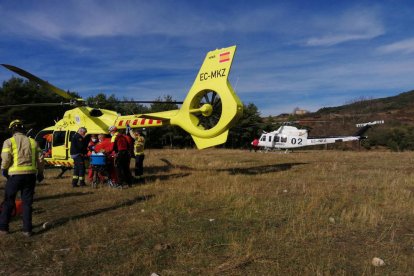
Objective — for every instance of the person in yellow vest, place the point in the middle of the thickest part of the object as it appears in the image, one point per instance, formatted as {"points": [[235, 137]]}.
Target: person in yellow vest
{"points": [[139, 145], [22, 165]]}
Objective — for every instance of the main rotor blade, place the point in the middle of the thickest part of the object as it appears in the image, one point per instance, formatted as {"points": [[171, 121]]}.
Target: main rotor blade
{"points": [[43, 83], [33, 104], [150, 102]]}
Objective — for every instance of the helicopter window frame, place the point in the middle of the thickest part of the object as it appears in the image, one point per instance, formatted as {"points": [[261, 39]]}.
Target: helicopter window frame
{"points": [[41, 142], [263, 139], [276, 139], [270, 138], [283, 139], [59, 138], [70, 136]]}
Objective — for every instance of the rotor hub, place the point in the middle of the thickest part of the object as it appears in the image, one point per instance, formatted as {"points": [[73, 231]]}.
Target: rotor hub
{"points": [[206, 110]]}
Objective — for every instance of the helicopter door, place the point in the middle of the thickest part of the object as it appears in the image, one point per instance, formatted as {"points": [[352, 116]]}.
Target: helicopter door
{"points": [[60, 145], [44, 139], [275, 140]]}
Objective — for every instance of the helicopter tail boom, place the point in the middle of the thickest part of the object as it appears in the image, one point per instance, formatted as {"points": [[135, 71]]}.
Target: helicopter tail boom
{"points": [[211, 106]]}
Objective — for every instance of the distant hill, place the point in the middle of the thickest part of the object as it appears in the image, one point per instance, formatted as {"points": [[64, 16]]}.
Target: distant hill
{"points": [[366, 106], [397, 111]]}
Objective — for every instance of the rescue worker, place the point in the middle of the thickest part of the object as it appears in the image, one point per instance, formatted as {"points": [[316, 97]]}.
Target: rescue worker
{"points": [[78, 151], [22, 166], [91, 149], [139, 145], [105, 146], [122, 157], [255, 145]]}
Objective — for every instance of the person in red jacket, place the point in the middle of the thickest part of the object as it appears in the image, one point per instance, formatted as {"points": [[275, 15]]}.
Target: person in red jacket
{"points": [[255, 144], [91, 149], [105, 146], [122, 156]]}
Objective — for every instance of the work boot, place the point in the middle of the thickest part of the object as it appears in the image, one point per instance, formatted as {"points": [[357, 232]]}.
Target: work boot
{"points": [[74, 183], [28, 234], [82, 183]]}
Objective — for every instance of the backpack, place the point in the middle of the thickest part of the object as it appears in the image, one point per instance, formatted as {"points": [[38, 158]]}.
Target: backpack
{"points": [[18, 208]]}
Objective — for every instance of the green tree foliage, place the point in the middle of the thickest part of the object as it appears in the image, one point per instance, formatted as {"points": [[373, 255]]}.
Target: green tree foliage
{"points": [[18, 91], [247, 128], [397, 138], [113, 103], [168, 136]]}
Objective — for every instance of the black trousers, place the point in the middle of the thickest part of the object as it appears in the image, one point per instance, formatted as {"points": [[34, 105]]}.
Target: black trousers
{"points": [[79, 169], [122, 163], [25, 183], [139, 164]]}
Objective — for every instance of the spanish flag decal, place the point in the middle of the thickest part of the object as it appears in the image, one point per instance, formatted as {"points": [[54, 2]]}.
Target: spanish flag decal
{"points": [[224, 57]]}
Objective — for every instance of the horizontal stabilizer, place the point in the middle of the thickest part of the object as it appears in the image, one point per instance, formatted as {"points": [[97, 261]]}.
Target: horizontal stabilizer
{"points": [[203, 143], [370, 123]]}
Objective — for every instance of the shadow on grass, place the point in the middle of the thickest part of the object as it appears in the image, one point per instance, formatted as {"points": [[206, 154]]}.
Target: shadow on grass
{"points": [[166, 168], [261, 169], [62, 221], [59, 196], [153, 178]]}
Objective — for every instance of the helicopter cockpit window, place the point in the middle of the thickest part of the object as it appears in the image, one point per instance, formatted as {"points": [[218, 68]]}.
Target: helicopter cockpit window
{"points": [[283, 139], [277, 139], [59, 138], [263, 139]]}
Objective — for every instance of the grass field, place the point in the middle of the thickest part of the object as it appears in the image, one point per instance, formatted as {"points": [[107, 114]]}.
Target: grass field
{"points": [[227, 212]]}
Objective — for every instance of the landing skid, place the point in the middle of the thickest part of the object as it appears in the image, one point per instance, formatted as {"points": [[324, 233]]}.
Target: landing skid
{"points": [[63, 170]]}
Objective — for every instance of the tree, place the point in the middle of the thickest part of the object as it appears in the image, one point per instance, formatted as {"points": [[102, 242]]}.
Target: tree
{"points": [[18, 91], [246, 129], [171, 136]]}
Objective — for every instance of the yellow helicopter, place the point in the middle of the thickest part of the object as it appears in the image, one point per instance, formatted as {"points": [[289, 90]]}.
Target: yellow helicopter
{"points": [[210, 108]]}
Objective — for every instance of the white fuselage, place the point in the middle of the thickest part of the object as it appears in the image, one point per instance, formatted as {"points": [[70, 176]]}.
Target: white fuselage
{"points": [[287, 137]]}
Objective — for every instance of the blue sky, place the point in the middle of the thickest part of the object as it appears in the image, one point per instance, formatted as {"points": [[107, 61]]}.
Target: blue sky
{"points": [[307, 54]]}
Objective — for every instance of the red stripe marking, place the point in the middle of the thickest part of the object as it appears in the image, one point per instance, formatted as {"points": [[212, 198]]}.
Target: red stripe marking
{"points": [[120, 123], [158, 121], [127, 122], [142, 121], [150, 121], [135, 122], [224, 57]]}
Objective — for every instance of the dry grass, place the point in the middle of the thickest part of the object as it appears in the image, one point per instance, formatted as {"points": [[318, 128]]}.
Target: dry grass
{"points": [[228, 212]]}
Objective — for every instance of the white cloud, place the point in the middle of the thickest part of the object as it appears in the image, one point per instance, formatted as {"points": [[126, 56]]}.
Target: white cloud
{"points": [[336, 39], [356, 24], [404, 46]]}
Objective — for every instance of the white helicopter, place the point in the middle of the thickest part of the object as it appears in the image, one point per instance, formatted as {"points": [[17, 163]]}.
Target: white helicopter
{"points": [[289, 137]]}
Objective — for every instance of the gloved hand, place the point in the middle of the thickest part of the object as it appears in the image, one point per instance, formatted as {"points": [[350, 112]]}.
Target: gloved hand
{"points": [[5, 173], [40, 177]]}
